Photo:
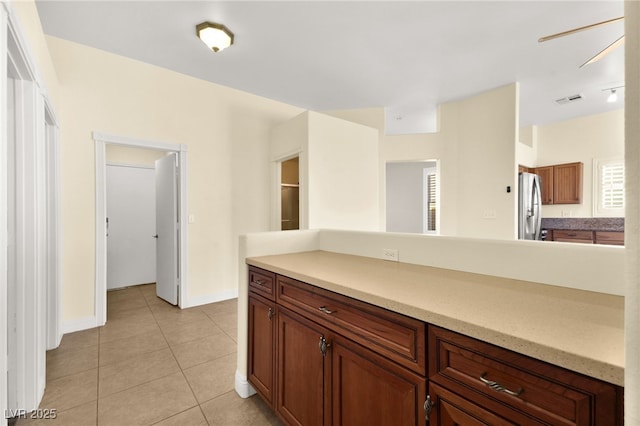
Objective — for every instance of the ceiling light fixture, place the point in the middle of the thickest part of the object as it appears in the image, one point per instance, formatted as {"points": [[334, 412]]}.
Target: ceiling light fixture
{"points": [[216, 36], [613, 96]]}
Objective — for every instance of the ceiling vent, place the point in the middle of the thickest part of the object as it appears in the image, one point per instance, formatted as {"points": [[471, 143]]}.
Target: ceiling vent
{"points": [[569, 99]]}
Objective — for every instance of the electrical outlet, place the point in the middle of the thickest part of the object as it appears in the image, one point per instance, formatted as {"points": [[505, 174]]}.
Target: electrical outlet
{"points": [[489, 214], [390, 254]]}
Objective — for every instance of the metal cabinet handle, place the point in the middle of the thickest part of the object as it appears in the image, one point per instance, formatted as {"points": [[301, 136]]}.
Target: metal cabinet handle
{"points": [[323, 345], [325, 310], [428, 406], [498, 387], [270, 313], [258, 282]]}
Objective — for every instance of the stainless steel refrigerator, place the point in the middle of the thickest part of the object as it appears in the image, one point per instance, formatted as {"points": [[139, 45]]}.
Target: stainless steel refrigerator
{"points": [[529, 207]]}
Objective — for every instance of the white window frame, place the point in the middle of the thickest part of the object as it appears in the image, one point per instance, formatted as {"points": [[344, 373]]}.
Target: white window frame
{"points": [[598, 209]]}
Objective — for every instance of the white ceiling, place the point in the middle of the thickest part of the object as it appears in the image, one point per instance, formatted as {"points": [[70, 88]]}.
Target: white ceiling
{"points": [[407, 57]]}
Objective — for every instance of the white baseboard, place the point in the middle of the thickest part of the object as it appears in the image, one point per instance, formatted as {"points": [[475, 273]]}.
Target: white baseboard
{"points": [[210, 298], [243, 388], [78, 324]]}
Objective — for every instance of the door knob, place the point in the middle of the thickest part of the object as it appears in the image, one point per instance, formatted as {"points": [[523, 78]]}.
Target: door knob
{"points": [[155, 236]]}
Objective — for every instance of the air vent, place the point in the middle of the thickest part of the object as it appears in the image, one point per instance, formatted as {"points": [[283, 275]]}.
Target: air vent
{"points": [[569, 99]]}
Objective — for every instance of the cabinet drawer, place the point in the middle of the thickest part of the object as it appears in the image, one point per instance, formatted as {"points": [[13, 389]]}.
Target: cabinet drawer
{"points": [[496, 377], [567, 236], [262, 282], [395, 336], [610, 237]]}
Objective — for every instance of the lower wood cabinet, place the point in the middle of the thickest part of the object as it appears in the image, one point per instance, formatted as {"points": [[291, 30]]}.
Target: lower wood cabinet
{"points": [[303, 371], [311, 368], [371, 390], [261, 347], [450, 409], [515, 388], [341, 362]]}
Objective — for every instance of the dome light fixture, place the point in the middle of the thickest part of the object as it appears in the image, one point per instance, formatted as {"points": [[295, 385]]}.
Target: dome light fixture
{"points": [[216, 36]]}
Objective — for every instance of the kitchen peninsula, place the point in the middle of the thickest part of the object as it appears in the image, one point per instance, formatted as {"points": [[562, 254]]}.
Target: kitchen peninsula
{"points": [[471, 321]]}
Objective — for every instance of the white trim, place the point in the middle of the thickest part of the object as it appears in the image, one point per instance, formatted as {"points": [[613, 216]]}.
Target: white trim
{"points": [[100, 299], [78, 324], [26, 54], [3, 218], [140, 143], [211, 298], [101, 139], [133, 166], [276, 194], [242, 386], [54, 225], [598, 210]]}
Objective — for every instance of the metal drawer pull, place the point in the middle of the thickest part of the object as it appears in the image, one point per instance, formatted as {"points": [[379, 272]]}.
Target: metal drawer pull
{"points": [[325, 310], [428, 406], [258, 282], [498, 387], [270, 313]]}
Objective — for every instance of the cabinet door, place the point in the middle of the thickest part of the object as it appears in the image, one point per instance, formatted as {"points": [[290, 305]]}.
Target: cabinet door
{"points": [[261, 347], [546, 183], [450, 409], [368, 389], [304, 372], [567, 183]]}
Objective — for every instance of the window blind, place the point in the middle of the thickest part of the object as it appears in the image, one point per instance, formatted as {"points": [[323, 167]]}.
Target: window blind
{"points": [[612, 185], [431, 202]]}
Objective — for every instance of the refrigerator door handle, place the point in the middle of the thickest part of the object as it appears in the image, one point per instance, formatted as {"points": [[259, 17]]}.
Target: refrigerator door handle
{"points": [[537, 207]]}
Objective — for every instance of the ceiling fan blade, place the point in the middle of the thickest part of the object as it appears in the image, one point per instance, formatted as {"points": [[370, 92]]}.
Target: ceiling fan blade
{"points": [[604, 51], [577, 30]]}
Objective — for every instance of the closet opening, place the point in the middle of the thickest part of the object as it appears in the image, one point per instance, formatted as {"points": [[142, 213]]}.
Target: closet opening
{"points": [[290, 194]]}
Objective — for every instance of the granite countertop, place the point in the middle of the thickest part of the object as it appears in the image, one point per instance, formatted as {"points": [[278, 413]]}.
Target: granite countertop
{"points": [[584, 224], [579, 330]]}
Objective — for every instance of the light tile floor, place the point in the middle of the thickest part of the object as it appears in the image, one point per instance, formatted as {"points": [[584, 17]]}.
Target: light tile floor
{"points": [[152, 363]]}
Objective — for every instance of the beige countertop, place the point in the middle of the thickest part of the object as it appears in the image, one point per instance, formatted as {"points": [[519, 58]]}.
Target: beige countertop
{"points": [[579, 330]]}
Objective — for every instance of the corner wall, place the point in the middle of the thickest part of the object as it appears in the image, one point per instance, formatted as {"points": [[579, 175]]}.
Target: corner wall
{"points": [[476, 148], [227, 134]]}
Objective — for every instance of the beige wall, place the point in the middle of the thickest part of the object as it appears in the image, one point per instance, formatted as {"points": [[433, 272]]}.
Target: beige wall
{"points": [[477, 138], [338, 171], [584, 139], [226, 132], [130, 155]]}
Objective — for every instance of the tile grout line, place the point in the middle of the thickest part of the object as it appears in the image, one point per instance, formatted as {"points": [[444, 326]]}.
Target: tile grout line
{"points": [[178, 363]]}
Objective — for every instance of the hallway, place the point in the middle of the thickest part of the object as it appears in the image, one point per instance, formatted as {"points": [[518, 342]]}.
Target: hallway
{"points": [[152, 363]]}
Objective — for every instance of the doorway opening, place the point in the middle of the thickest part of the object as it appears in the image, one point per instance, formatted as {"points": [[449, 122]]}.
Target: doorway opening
{"points": [[413, 197], [173, 160], [290, 194]]}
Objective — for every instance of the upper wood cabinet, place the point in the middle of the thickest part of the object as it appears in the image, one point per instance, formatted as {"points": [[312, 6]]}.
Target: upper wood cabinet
{"points": [[546, 183], [567, 183], [561, 183]]}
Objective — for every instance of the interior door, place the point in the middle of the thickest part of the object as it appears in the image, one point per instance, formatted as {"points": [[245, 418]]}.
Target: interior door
{"points": [[131, 212], [167, 229]]}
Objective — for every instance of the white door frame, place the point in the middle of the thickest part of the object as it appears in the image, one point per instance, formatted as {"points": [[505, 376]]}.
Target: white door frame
{"points": [[3, 217], [37, 225], [276, 194], [101, 140]]}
